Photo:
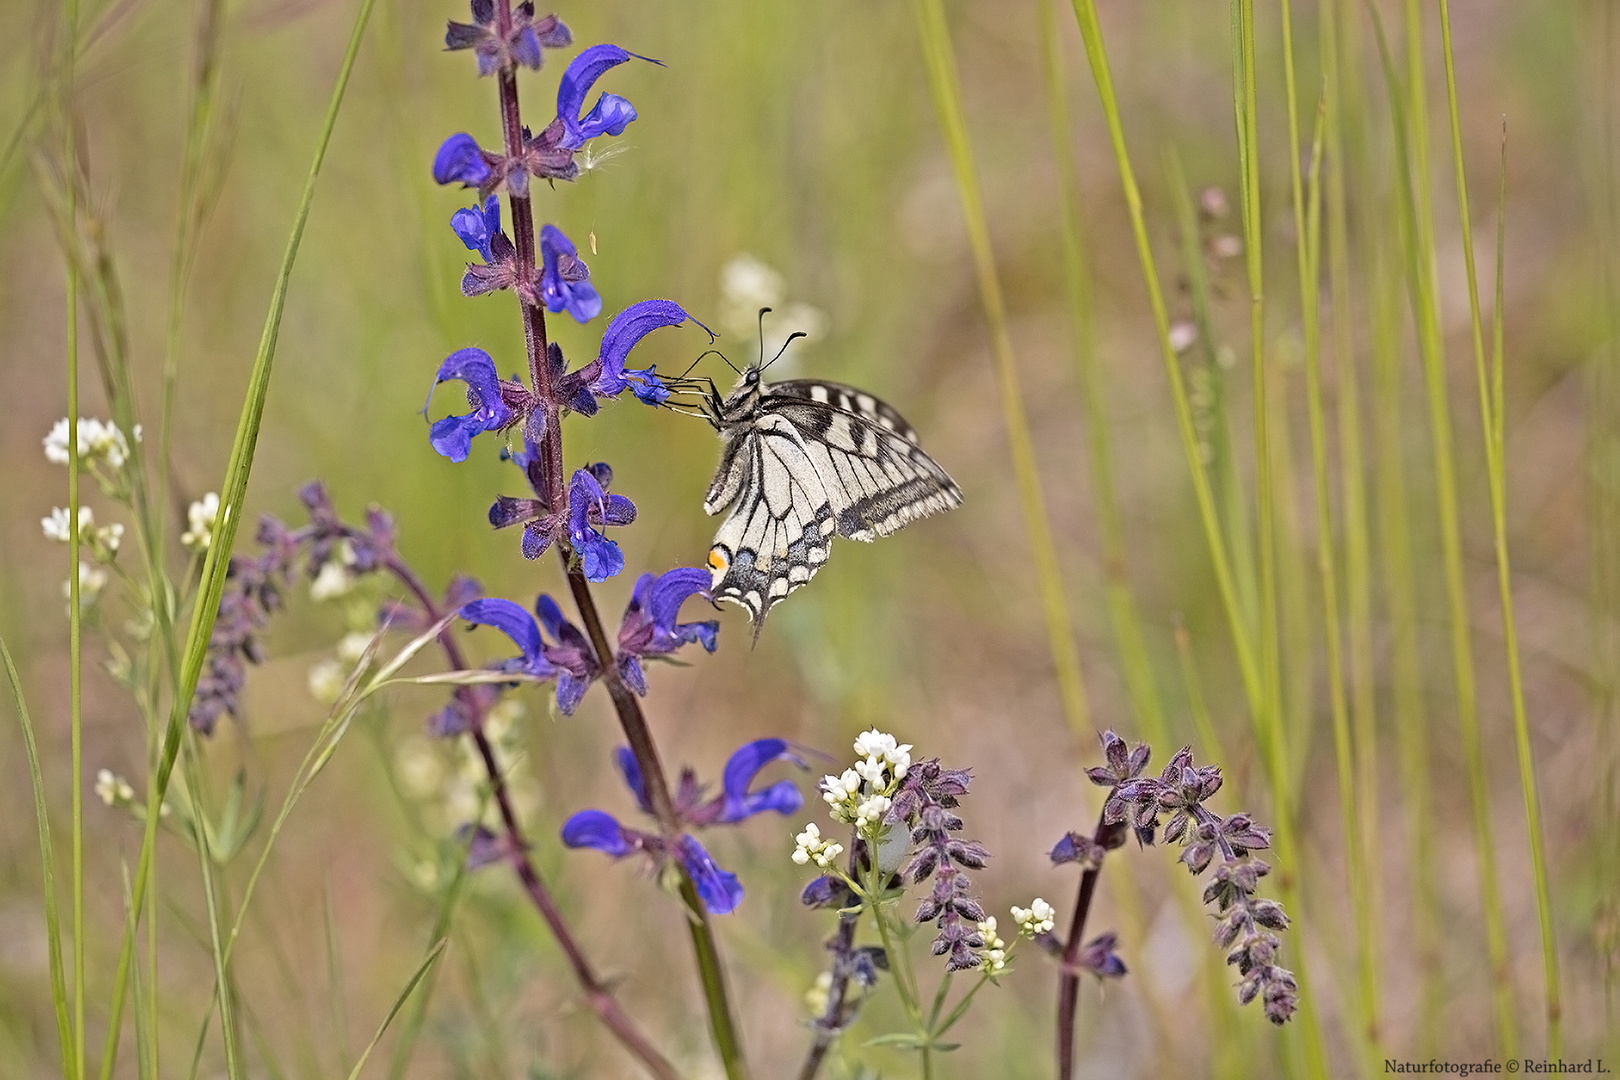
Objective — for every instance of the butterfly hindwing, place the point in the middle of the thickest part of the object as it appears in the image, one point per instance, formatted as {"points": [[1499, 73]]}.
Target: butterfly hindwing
{"points": [[804, 461]]}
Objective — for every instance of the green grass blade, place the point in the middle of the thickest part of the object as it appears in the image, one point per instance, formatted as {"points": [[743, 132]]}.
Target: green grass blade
{"points": [[1491, 423], [422, 969], [206, 607], [42, 821], [1414, 191], [1140, 685], [1307, 206], [940, 59], [1096, 54], [1343, 101]]}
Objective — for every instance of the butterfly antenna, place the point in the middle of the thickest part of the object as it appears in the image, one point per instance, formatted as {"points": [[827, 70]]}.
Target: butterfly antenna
{"points": [[784, 348], [762, 313]]}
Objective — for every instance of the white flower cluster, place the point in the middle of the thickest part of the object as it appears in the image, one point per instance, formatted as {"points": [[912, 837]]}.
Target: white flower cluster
{"points": [[448, 782], [334, 579], [103, 541], [860, 795], [100, 443], [993, 955], [748, 284], [201, 515], [327, 678], [92, 580], [811, 847], [816, 997], [114, 790], [1038, 918]]}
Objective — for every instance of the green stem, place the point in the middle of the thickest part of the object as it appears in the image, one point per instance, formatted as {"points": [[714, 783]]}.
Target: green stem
{"points": [[1491, 422], [1140, 684], [940, 59]]}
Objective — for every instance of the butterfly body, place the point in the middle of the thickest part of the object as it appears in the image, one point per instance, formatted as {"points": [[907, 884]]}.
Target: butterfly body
{"points": [[803, 462]]}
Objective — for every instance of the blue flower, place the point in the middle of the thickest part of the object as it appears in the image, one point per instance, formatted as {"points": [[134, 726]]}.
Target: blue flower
{"points": [[522, 44], [590, 510], [480, 231], [611, 113], [453, 435], [479, 228], [571, 661], [719, 889], [460, 160], [565, 280], [649, 627], [606, 376]]}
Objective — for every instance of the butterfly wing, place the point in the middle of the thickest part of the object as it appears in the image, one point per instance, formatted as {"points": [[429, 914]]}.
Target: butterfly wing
{"points": [[780, 528], [877, 477], [816, 459]]}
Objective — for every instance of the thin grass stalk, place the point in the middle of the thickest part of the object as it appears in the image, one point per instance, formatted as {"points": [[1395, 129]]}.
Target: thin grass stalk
{"points": [[224, 995], [188, 224], [940, 59], [47, 854], [1342, 109], [1416, 189], [1409, 712], [206, 606], [1270, 729], [1491, 424], [1217, 449], [1096, 54], [1140, 685], [75, 609], [1307, 200], [1601, 397]]}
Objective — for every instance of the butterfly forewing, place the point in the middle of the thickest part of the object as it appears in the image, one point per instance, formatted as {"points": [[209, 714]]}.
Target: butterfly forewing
{"points": [[805, 460]]}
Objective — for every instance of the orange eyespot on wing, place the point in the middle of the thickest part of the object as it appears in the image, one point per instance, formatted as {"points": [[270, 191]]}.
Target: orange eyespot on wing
{"points": [[719, 561]]}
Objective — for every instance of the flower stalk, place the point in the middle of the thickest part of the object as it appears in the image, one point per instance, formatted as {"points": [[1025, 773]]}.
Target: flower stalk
{"points": [[625, 703]]}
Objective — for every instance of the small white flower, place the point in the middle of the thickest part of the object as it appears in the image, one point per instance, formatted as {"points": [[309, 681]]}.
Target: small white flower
{"points": [[1182, 335], [1039, 918], [109, 537], [420, 767], [91, 581], [332, 582], [809, 846], [816, 997], [202, 516], [871, 770], [869, 814], [56, 526], [113, 790], [351, 647], [99, 442], [993, 954], [880, 746], [326, 681]]}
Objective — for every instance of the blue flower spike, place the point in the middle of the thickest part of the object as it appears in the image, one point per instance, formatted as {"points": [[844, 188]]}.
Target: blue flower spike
{"points": [[718, 888]]}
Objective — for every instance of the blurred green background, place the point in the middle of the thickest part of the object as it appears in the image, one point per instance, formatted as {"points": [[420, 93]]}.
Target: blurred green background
{"points": [[804, 135]]}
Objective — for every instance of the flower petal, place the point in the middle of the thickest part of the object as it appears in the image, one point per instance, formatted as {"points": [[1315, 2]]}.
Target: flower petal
{"points": [[477, 228], [719, 889], [510, 619], [565, 283], [600, 558], [631, 770], [739, 773], [672, 589], [453, 435], [627, 328], [460, 160], [609, 116], [597, 829]]}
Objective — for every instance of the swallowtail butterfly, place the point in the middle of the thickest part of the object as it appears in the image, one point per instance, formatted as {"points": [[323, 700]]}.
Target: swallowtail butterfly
{"points": [[801, 462]]}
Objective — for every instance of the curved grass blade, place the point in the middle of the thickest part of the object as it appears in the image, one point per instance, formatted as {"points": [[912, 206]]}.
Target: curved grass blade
{"points": [[212, 586]]}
